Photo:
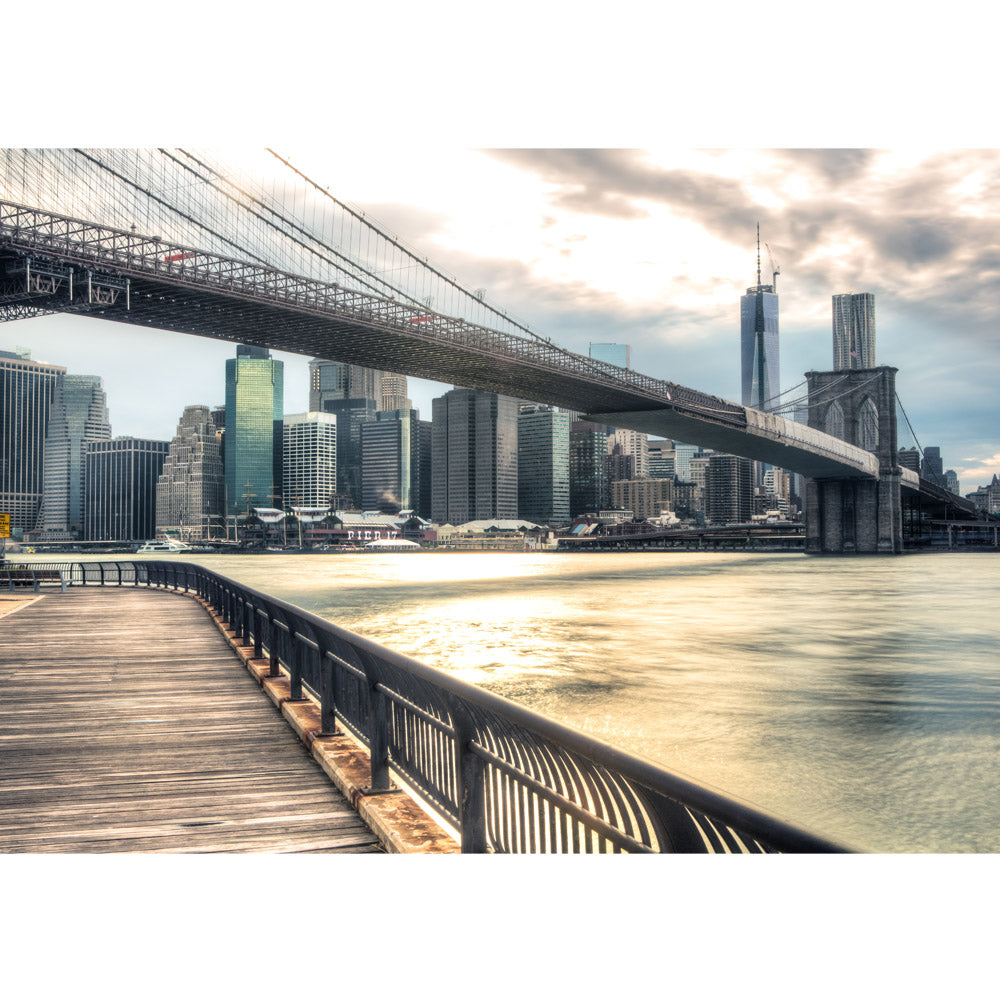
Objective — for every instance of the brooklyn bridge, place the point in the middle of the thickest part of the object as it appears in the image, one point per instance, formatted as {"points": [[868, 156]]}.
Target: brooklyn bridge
{"points": [[178, 240]]}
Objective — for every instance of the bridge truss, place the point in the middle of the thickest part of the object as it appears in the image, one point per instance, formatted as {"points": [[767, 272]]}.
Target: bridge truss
{"points": [[176, 240]]}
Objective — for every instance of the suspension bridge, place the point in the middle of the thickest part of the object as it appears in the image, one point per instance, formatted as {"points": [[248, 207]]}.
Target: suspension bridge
{"points": [[260, 254]]}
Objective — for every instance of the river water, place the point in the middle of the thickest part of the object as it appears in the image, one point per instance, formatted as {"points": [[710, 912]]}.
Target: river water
{"points": [[858, 697]]}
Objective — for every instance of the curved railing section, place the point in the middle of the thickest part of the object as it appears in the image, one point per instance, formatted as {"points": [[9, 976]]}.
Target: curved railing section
{"points": [[507, 779]]}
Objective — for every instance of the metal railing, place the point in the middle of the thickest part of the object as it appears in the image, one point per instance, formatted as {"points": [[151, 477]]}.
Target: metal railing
{"points": [[507, 779]]}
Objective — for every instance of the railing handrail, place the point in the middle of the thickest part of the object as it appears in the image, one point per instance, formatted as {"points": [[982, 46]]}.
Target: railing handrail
{"points": [[612, 767]]}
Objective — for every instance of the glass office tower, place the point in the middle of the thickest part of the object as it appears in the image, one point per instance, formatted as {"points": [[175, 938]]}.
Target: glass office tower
{"points": [[26, 391], [760, 375], [254, 409], [119, 488], [79, 414], [474, 457], [543, 465], [391, 447]]}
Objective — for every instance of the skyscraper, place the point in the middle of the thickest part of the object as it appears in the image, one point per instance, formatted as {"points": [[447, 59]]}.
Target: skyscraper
{"points": [[119, 488], [932, 468], [728, 489], [543, 465], [854, 331], [337, 380], [189, 492], [394, 393], [662, 459], [309, 458], [254, 410], [26, 391], [79, 414], [391, 455], [760, 375], [353, 394], [588, 459], [474, 456], [625, 442]]}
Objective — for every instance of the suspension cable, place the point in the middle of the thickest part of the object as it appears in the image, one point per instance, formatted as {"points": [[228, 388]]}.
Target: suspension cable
{"points": [[899, 403]]}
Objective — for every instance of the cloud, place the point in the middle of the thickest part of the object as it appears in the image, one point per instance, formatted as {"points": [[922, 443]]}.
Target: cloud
{"points": [[834, 166], [982, 469]]}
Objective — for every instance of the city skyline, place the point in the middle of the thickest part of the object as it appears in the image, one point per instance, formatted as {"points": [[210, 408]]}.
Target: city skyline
{"points": [[655, 250]]}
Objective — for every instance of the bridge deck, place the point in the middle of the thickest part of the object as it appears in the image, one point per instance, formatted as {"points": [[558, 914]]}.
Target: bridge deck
{"points": [[127, 725]]}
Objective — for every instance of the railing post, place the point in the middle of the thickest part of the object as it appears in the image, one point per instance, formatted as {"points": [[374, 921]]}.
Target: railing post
{"points": [[471, 771], [377, 724], [295, 667], [274, 661], [257, 644], [327, 694]]}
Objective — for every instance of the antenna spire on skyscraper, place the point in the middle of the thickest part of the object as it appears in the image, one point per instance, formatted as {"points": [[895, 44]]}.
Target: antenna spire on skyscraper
{"points": [[758, 254]]}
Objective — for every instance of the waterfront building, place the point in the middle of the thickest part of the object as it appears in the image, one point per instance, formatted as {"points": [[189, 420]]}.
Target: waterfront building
{"points": [[474, 456], [390, 462], [662, 459], [79, 414], [760, 375], [729, 489], [612, 354], [119, 491], [987, 498], [646, 497], [393, 396], [26, 391], [588, 459], [190, 489], [853, 331], [309, 458], [543, 465], [254, 410]]}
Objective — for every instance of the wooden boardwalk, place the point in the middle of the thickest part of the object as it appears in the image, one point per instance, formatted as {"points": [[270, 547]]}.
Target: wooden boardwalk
{"points": [[127, 724]]}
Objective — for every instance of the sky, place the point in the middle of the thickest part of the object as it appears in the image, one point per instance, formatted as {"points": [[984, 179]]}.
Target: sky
{"points": [[653, 247]]}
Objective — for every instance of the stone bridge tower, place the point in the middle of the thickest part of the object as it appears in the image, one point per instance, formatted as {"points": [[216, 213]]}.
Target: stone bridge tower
{"points": [[856, 515]]}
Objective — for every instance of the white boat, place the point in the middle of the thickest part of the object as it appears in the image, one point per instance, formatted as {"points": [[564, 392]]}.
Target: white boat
{"points": [[163, 545]]}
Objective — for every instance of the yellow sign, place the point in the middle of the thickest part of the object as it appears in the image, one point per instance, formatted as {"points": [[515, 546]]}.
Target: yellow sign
{"points": [[4, 525]]}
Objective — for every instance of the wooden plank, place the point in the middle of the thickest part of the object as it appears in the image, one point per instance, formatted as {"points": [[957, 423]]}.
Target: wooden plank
{"points": [[128, 724]]}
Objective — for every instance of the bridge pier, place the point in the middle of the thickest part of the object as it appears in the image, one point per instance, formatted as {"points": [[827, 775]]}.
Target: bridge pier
{"points": [[856, 515]]}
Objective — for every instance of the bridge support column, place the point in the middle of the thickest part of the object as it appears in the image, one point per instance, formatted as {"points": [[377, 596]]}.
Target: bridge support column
{"points": [[856, 515]]}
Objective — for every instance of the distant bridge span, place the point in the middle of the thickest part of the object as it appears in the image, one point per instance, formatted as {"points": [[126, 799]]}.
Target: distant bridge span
{"points": [[53, 263]]}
